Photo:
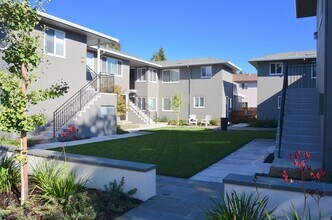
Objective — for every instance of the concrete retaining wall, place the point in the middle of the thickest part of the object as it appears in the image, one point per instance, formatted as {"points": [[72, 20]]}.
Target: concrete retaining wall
{"points": [[102, 171], [282, 195]]}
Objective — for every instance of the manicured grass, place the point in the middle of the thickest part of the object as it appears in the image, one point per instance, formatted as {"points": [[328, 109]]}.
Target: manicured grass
{"points": [[179, 152]]}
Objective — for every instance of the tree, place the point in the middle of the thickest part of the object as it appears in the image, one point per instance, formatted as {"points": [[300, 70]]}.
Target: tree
{"points": [[18, 19], [176, 104], [159, 56], [121, 106], [114, 45]]}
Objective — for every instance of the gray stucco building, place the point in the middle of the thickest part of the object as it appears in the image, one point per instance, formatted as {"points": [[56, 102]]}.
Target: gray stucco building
{"points": [[270, 72], [80, 56]]}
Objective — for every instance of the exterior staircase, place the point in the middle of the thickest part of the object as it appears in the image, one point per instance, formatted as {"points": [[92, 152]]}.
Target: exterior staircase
{"points": [[143, 115], [301, 129], [299, 121]]}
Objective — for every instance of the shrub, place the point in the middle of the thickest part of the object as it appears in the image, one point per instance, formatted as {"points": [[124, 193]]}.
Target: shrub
{"points": [[114, 199], [162, 119], [183, 122], [119, 130], [214, 122], [9, 174], [54, 181], [263, 123], [240, 207], [78, 206]]}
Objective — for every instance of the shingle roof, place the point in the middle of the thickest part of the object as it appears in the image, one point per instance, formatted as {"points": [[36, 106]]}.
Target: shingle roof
{"points": [[245, 78], [196, 62], [295, 55]]}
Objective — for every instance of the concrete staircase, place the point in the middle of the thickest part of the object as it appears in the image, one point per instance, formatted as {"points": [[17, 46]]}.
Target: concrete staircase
{"points": [[138, 116], [301, 129]]}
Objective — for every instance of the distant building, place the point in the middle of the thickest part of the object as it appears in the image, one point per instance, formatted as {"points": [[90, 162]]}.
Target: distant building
{"points": [[245, 91]]}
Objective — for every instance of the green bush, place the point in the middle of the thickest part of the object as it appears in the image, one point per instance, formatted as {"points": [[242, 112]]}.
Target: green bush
{"points": [[240, 207], [263, 123], [114, 200], [54, 181], [9, 174], [162, 119], [214, 122], [119, 130]]}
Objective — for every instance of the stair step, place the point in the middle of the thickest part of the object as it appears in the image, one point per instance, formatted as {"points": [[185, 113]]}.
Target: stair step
{"points": [[314, 154], [301, 124], [301, 139], [301, 118], [301, 131], [300, 146], [303, 112], [301, 106]]}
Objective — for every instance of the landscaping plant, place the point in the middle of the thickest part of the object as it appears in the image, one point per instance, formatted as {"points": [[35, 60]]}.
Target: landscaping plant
{"points": [[299, 159], [176, 103], [18, 20], [240, 207]]}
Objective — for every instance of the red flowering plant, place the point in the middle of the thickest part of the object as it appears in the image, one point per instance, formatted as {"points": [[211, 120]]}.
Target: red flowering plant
{"points": [[69, 134], [299, 159]]}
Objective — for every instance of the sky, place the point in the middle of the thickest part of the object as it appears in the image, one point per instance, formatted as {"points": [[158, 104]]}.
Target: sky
{"points": [[234, 30]]}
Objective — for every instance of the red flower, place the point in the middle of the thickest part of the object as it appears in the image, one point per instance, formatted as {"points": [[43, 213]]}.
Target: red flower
{"points": [[296, 162], [302, 164], [291, 157], [309, 168], [307, 155], [297, 154], [285, 177]]}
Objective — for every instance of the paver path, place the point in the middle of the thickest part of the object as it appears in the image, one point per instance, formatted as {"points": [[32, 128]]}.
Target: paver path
{"points": [[249, 160], [187, 198], [177, 199]]}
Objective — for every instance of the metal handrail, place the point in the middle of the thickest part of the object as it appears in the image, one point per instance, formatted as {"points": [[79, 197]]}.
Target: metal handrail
{"points": [[77, 101], [147, 108], [282, 109]]}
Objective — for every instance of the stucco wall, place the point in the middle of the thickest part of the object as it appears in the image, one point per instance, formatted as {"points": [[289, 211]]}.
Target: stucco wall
{"points": [[250, 94]]}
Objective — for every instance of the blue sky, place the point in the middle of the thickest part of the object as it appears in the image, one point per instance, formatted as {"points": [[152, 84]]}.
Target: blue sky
{"points": [[234, 30]]}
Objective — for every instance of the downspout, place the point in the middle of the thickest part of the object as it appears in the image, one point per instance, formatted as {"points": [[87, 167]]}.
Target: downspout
{"points": [[189, 90], [98, 65], [325, 89]]}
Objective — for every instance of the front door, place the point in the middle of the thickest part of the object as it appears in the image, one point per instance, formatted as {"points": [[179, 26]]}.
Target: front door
{"points": [[228, 106], [132, 79]]}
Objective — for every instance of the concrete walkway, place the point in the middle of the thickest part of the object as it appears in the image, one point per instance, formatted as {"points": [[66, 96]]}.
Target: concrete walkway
{"points": [[188, 198], [177, 199], [87, 141], [247, 160]]}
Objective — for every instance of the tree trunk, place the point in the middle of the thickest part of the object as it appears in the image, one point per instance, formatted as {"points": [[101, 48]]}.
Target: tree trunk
{"points": [[24, 144], [178, 118]]}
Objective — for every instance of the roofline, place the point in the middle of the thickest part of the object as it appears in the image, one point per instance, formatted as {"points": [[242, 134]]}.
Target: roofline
{"points": [[254, 62], [129, 57], [76, 26], [230, 64]]}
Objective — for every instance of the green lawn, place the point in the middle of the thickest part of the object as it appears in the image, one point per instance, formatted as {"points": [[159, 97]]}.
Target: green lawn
{"points": [[179, 152]]}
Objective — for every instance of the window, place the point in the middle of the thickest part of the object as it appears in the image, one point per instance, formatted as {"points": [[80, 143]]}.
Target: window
{"points": [[112, 66], [279, 102], [199, 102], [141, 103], [153, 103], [171, 76], [167, 104], [313, 70], [141, 75], [244, 104], [2, 40], [55, 42], [244, 86], [206, 72], [276, 68], [153, 77]]}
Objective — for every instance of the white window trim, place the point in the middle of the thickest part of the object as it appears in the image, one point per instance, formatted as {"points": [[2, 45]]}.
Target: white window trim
{"points": [[64, 43], [150, 75], [139, 80], [279, 101], [312, 68], [199, 97], [276, 74], [155, 110], [162, 77], [205, 77], [162, 105], [107, 58]]}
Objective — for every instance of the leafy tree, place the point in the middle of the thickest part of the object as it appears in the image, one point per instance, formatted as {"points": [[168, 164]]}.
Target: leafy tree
{"points": [[18, 19], [176, 104], [159, 56], [121, 106], [114, 45]]}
